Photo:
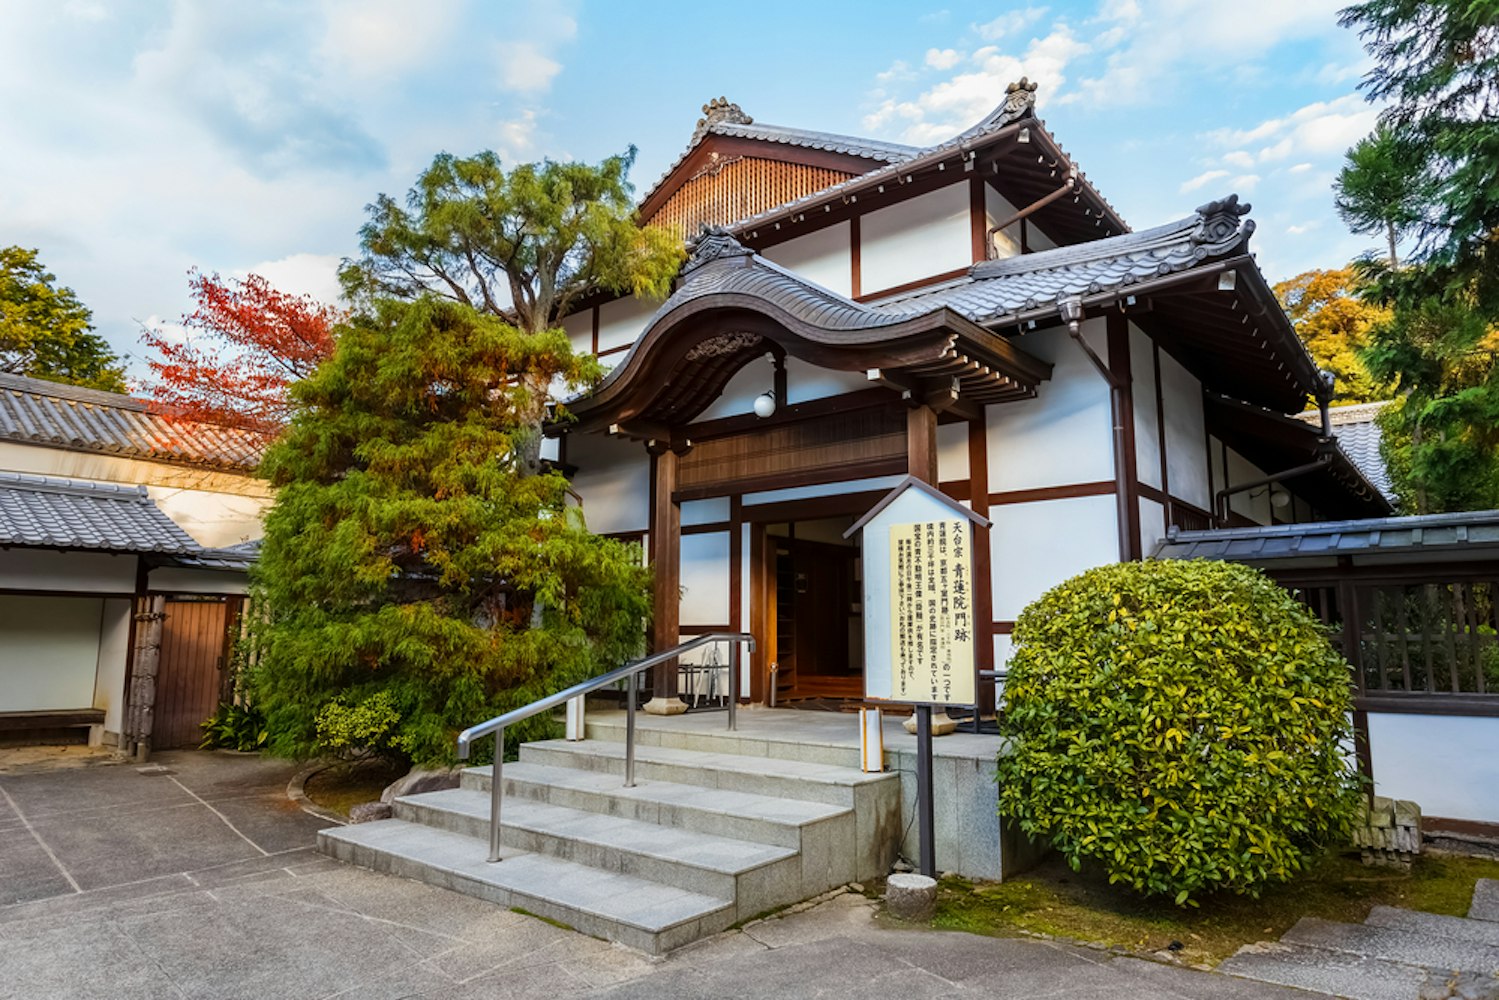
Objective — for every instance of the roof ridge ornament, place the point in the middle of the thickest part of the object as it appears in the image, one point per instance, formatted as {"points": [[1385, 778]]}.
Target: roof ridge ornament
{"points": [[1221, 224], [718, 110], [713, 243]]}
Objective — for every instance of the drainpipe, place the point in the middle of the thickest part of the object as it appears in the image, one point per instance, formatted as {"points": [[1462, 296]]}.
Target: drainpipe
{"points": [[1325, 448], [1071, 311]]}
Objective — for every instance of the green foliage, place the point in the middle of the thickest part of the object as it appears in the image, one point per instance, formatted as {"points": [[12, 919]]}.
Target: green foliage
{"points": [[1182, 724], [410, 553], [45, 331], [370, 727], [234, 727], [1432, 170]]}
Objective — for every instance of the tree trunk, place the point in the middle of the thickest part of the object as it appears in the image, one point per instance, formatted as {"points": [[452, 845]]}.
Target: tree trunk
{"points": [[1390, 235]]}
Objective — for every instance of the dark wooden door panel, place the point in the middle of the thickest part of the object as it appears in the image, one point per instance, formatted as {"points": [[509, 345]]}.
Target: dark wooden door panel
{"points": [[194, 641]]}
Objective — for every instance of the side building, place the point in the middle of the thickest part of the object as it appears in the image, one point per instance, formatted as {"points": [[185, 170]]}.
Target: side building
{"points": [[973, 314], [112, 514]]}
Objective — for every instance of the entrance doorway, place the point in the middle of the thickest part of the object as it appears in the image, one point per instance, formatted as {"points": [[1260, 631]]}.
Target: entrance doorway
{"points": [[817, 625]]}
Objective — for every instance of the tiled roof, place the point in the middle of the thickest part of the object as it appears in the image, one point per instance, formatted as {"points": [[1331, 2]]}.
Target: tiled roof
{"points": [[1463, 532], [239, 557], [997, 288], [45, 512], [34, 411], [1356, 431]]}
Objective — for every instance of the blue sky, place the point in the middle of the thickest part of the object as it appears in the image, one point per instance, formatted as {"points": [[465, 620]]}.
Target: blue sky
{"points": [[141, 140]]}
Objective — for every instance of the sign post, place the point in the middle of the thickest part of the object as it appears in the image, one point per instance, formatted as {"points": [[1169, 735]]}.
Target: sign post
{"points": [[919, 630]]}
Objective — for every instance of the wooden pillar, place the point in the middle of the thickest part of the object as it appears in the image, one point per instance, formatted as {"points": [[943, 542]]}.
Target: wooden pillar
{"points": [[983, 597], [921, 443], [666, 544], [1126, 465]]}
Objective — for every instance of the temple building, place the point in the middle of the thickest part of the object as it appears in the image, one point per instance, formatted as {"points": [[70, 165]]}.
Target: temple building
{"points": [[973, 314]]}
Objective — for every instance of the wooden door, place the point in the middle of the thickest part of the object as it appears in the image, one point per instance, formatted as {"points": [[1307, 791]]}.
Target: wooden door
{"points": [[190, 677], [815, 594]]}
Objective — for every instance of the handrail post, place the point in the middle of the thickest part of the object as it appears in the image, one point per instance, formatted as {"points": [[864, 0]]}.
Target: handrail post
{"points": [[496, 792], [630, 733], [733, 683]]}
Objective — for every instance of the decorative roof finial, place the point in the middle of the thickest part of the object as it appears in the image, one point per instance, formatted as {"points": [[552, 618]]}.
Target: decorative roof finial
{"points": [[720, 109], [1221, 223], [712, 243], [1020, 97]]}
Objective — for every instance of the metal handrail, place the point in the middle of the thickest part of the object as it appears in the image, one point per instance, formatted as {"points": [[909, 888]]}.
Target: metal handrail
{"points": [[629, 672]]}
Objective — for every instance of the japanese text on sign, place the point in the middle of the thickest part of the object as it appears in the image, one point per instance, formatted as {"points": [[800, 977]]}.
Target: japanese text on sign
{"points": [[931, 613]]}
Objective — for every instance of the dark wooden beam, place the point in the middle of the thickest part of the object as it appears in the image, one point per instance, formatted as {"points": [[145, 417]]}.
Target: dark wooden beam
{"points": [[666, 543], [921, 444], [1125, 457], [983, 597]]}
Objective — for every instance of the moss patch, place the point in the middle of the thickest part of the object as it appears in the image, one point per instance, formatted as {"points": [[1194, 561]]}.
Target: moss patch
{"points": [[343, 786], [1054, 900]]}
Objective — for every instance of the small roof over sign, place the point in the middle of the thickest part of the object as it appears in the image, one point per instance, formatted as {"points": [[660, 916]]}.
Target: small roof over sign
{"points": [[911, 482]]}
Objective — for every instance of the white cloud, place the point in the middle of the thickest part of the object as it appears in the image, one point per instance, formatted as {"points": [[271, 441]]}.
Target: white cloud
{"points": [[523, 66], [1244, 183], [1238, 158], [1304, 227], [943, 58], [899, 71], [301, 274], [1201, 180], [1010, 23], [1299, 168], [1321, 128], [516, 138]]}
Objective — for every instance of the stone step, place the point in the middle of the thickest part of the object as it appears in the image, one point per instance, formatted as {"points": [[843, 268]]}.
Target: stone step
{"points": [[718, 740], [1485, 900], [776, 778], [724, 813], [1394, 945], [1435, 924], [642, 914], [757, 877], [1338, 974]]}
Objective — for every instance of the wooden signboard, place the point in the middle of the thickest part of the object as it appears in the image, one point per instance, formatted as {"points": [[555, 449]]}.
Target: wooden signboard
{"points": [[918, 598]]}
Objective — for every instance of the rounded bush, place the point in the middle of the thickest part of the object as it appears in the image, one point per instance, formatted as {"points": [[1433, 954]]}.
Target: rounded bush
{"points": [[1184, 724]]}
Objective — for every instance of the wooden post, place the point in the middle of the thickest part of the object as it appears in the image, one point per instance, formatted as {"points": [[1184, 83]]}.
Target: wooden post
{"points": [[666, 543], [1126, 470], [147, 660], [921, 443]]}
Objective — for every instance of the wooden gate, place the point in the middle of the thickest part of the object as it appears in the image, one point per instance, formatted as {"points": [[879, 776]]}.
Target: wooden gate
{"points": [[191, 675]]}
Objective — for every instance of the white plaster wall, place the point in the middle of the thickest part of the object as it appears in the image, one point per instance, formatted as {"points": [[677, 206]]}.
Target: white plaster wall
{"points": [[185, 580], [622, 320], [1147, 426], [114, 649], [44, 461], [823, 257], [952, 451], [712, 511], [926, 235], [614, 480], [1215, 470], [1035, 546], [579, 327], [705, 579], [1446, 763], [1253, 504], [806, 381], [49, 652], [1152, 525], [88, 572], [214, 520], [998, 208], [823, 490], [1186, 455], [738, 397], [1065, 434]]}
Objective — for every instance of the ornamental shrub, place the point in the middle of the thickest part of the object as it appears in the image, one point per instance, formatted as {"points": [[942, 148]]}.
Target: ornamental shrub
{"points": [[1182, 724]]}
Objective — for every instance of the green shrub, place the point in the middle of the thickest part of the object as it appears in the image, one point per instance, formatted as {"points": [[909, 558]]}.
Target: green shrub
{"points": [[234, 727], [1184, 724]]}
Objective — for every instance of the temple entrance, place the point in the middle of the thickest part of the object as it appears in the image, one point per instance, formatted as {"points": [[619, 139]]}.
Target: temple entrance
{"points": [[817, 622]]}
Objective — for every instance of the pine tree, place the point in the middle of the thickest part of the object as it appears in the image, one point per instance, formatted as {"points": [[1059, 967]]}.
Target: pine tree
{"points": [[1437, 63], [408, 551]]}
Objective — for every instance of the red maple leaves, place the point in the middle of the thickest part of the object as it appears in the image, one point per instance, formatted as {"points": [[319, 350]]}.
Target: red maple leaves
{"points": [[256, 341]]}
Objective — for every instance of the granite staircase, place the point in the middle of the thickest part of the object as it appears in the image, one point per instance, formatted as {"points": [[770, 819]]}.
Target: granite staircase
{"points": [[711, 835], [1395, 954]]}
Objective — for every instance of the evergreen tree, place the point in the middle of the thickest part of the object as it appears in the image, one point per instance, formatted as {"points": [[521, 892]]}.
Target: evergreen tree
{"points": [[45, 332], [420, 580], [1437, 63], [1377, 192]]}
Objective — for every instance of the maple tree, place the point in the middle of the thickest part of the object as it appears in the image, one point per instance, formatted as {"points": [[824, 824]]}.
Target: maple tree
{"points": [[1334, 323], [256, 340]]}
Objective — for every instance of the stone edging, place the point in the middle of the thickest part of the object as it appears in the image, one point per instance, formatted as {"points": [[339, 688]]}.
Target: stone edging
{"points": [[297, 792]]}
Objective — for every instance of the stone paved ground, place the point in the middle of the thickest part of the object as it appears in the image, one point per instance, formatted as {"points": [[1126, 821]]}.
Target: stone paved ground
{"points": [[202, 882]]}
